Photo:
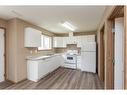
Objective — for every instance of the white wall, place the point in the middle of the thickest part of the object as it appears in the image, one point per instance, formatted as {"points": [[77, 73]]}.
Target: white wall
{"points": [[119, 54], [1, 55]]}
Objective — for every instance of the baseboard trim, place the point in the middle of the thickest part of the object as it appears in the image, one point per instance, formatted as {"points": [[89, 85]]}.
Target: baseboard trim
{"points": [[15, 82]]}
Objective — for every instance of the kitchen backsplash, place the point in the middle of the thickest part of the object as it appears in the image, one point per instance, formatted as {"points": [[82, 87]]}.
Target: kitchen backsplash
{"points": [[69, 47], [35, 52], [72, 46]]}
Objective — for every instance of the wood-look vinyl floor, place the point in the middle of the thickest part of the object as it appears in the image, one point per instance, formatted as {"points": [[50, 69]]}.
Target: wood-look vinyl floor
{"points": [[62, 78], [5, 84]]}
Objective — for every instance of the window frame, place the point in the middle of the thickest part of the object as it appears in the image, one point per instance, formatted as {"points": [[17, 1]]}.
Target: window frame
{"points": [[50, 42]]}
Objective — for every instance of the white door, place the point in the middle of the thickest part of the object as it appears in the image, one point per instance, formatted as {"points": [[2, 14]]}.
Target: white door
{"points": [[119, 54], [1, 55]]}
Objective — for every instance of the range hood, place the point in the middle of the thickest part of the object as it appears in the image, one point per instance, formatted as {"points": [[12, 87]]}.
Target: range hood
{"points": [[72, 42]]}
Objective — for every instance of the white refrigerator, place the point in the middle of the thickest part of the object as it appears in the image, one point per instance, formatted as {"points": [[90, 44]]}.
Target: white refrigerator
{"points": [[88, 57]]}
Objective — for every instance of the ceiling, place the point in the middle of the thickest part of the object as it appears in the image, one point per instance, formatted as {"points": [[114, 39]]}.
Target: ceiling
{"points": [[84, 18]]}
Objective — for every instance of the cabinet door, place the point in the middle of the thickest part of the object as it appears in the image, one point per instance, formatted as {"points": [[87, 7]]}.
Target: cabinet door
{"points": [[32, 38], [32, 70], [68, 40], [79, 41], [91, 38], [58, 42], [54, 41], [52, 64], [59, 60], [75, 40], [65, 41], [83, 40], [42, 68], [79, 62]]}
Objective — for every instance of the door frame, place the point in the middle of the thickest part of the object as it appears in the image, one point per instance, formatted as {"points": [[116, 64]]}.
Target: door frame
{"points": [[117, 12], [109, 75], [125, 47], [5, 64], [101, 47]]}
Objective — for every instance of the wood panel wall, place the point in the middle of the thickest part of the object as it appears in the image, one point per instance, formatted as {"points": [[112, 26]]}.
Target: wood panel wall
{"points": [[101, 53], [3, 23], [109, 76], [110, 14], [125, 47], [16, 52], [107, 31]]}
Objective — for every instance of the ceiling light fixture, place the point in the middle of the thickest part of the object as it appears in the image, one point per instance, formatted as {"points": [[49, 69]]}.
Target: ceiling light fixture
{"points": [[68, 26]]}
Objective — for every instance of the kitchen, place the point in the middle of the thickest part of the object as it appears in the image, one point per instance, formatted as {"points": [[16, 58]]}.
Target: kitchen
{"points": [[63, 47], [75, 52], [37, 56]]}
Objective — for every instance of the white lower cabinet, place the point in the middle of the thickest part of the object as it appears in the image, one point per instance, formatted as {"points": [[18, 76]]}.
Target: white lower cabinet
{"points": [[37, 69]]}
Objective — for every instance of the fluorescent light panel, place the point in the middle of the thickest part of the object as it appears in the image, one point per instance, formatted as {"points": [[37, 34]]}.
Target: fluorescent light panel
{"points": [[68, 26]]}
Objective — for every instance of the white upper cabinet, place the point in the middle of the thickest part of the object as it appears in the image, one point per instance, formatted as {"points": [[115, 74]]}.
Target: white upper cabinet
{"points": [[83, 40], [87, 38], [54, 41], [91, 38], [58, 42], [71, 40], [32, 37], [79, 40], [65, 40]]}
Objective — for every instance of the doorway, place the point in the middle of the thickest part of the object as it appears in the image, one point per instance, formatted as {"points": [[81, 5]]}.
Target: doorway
{"points": [[2, 54]]}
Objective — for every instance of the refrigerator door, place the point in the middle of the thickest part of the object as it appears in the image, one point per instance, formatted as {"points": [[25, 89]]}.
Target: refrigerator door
{"points": [[90, 46], [88, 61]]}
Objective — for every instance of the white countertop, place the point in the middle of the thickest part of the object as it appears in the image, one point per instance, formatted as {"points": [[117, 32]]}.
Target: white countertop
{"points": [[41, 57]]}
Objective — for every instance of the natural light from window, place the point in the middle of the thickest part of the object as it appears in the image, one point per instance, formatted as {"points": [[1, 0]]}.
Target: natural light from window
{"points": [[45, 43]]}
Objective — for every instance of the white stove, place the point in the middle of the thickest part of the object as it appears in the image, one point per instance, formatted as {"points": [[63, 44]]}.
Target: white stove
{"points": [[71, 59]]}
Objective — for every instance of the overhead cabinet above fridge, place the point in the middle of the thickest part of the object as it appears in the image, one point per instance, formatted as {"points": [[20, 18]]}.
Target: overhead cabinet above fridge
{"points": [[32, 37]]}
